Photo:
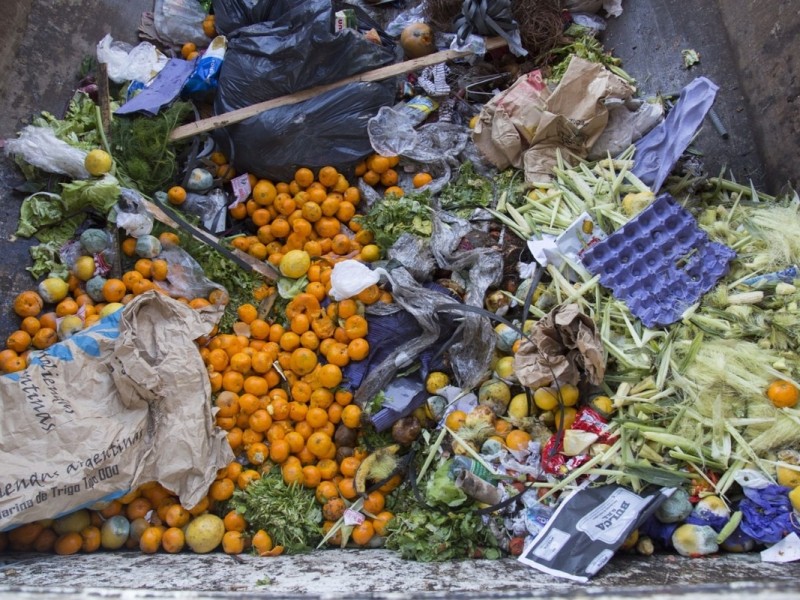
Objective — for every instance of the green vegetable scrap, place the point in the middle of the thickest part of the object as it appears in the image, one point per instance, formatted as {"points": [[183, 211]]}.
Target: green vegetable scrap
{"points": [[145, 157], [469, 191], [289, 513], [589, 47], [428, 535], [392, 217], [79, 127]]}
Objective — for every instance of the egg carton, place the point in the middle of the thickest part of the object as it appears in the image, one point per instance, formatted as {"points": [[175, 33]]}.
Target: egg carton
{"points": [[659, 263]]}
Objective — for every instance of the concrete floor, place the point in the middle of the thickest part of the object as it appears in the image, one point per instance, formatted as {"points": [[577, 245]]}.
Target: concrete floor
{"points": [[748, 47]]}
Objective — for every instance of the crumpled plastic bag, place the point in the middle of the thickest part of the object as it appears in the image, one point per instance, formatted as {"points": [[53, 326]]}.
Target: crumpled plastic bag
{"points": [[179, 21], [627, 123], [767, 514], [131, 214], [566, 345], [39, 146], [185, 277], [126, 63], [350, 277]]}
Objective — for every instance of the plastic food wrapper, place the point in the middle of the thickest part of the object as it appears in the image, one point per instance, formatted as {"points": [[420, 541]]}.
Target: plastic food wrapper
{"points": [[262, 62], [350, 277], [165, 88], [587, 528], [121, 403], [39, 146], [566, 346], [659, 263], [179, 21], [185, 277], [572, 243], [533, 123], [126, 63], [205, 77], [659, 150]]}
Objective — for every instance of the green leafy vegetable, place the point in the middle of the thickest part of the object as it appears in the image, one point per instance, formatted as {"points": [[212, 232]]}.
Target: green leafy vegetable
{"points": [[99, 194], [393, 216], [588, 47], [423, 534], [441, 488], [47, 261], [289, 513], [468, 191], [79, 126], [145, 157]]}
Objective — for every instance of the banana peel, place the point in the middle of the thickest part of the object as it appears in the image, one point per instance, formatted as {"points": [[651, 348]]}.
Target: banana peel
{"points": [[376, 466]]}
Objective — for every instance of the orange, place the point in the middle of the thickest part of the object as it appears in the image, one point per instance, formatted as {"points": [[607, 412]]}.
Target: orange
{"points": [[129, 246], [257, 453], [783, 394], [176, 195], [28, 304], [370, 295], [394, 190], [381, 522], [187, 49], [311, 476], [304, 177], [160, 268], [221, 490], [455, 420], [374, 502], [114, 290], [517, 439], [19, 341], [363, 533], [296, 441], [379, 164], [351, 416], [326, 490], [389, 177], [173, 540], [262, 542], [234, 521], [319, 443], [246, 477], [46, 541], [279, 451], [347, 488], [421, 179], [292, 473], [69, 543], [233, 542], [150, 540], [264, 192]]}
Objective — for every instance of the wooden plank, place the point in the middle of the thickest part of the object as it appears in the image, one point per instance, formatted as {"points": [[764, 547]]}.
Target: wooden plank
{"points": [[235, 116]]}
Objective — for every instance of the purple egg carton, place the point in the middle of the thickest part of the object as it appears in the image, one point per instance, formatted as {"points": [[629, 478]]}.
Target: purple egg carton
{"points": [[659, 263]]}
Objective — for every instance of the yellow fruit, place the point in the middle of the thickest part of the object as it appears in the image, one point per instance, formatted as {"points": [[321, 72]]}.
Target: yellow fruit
{"points": [[436, 381], [69, 326], [569, 394], [545, 398], [603, 405], [53, 289], [504, 369], [204, 533], [110, 308], [295, 263], [474, 121], [787, 476], [97, 162], [72, 523], [84, 268], [794, 498], [518, 407]]}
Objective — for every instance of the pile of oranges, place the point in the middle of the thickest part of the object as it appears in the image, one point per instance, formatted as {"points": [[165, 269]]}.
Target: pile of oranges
{"points": [[277, 382], [377, 170]]}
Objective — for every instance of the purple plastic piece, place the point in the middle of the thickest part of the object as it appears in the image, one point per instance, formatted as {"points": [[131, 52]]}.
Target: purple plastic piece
{"points": [[659, 263]]}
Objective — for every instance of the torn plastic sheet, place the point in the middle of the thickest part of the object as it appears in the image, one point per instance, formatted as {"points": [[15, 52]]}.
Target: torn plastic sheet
{"points": [[658, 151], [165, 88]]}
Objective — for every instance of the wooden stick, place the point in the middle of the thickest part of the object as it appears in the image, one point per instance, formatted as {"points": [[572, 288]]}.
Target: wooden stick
{"points": [[240, 114], [244, 260]]}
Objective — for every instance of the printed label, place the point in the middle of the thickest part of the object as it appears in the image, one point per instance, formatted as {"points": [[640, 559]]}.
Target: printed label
{"points": [[610, 521], [241, 189], [353, 517], [551, 544], [599, 562]]}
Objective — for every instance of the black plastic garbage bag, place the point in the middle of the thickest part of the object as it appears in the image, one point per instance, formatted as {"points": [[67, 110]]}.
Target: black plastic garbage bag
{"points": [[295, 50]]}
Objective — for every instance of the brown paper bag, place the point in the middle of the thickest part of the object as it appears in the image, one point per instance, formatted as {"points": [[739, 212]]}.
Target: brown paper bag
{"points": [[122, 403], [525, 125]]}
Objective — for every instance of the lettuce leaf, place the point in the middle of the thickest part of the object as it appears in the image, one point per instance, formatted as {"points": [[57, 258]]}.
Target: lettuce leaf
{"points": [[441, 489]]}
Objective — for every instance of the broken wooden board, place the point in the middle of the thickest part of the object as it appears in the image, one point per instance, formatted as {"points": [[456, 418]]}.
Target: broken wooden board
{"points": [[235, 116]]}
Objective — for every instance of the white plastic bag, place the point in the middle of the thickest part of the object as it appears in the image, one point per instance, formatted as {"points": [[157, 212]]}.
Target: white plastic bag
{"points": [[126, 63], [39, 146], [180, 21], [351, 277]]}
